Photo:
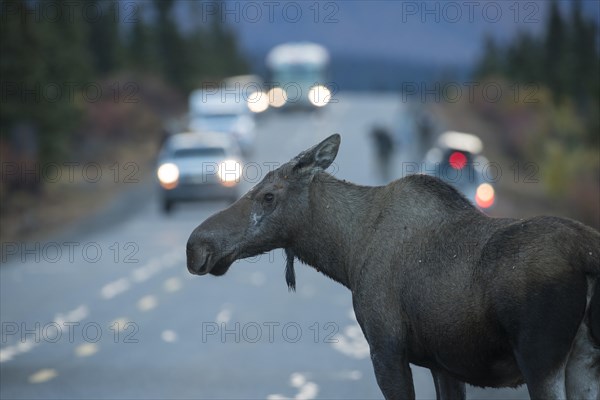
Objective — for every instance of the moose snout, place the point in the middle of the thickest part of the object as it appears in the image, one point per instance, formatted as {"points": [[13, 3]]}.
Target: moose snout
{"points": [[198, 256], [212, 246]]}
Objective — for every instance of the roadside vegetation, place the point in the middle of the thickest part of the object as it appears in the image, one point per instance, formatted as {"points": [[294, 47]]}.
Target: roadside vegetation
{"points": [[551, 119], [93, 82]]}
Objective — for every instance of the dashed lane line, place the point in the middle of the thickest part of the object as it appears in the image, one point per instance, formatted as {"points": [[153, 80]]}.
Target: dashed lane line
{"points": [[43, 375]]}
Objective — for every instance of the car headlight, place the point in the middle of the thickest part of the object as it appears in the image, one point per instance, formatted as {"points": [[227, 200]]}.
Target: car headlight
{"points": [[484, 196], [319, 95], [258, 102], [229, 172], [277, 97], [168, 175]]}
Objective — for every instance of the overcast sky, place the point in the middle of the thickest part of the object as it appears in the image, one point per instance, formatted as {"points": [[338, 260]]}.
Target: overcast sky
{"points": [[439, 32]]}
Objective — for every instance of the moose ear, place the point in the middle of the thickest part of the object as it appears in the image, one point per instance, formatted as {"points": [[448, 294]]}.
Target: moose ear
{"points": [[319, 157]]}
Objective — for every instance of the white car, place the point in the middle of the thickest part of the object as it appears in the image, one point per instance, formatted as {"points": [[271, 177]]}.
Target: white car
{"points": [[223, 111], [196, 166], [239, 125]]}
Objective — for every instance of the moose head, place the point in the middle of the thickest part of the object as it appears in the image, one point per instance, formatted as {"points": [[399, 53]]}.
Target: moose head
{"points": [[267, 217]]}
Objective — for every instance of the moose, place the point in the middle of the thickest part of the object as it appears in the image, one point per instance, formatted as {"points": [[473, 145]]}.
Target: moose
{"points": [[518, 306]]}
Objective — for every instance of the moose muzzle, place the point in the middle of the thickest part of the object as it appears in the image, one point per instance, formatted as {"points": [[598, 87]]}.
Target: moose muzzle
{"points": [[198, 257]]}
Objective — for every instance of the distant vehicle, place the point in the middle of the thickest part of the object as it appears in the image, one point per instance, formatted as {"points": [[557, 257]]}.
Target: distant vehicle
{"points": [[251, 88], [196, 166], [245, 83], [222, 110], [457, 160], [298, 72]]}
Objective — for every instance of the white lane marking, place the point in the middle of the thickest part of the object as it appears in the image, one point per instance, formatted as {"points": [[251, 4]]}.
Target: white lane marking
{"points": [[172, 284], [24, 347], [297, 379], [351, 341], [147, 271], [7, 353], [28, 343], [224, 316], [168, 336], [147, 303], [76, 315], [109, 291], [306, 390], [86, 349], [142, 274], [115, 288], [43, 375]]}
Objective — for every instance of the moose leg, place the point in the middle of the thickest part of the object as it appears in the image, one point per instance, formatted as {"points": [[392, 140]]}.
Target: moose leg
{"points": [[548, 387], [542, 355], [543, 333], [448, 388], [542, 360], [583, 368], [394, 376], [388, 352]]}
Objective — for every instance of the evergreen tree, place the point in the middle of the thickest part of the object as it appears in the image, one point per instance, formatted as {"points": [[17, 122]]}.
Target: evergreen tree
{"points": [[104, 38], [48, 68], [554, 59], [197, 58], [20, 66], [491, 62], [141, 52], [523, 59], [227, 59], [49, 64], [585, 66], [565, 59], [171, 45]]}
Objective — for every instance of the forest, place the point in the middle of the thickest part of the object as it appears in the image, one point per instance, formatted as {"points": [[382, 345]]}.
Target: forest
{"points": [[68, 67]]}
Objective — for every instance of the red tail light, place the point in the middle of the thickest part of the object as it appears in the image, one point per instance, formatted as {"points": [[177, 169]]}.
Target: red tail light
{"points": [[457, 160]]}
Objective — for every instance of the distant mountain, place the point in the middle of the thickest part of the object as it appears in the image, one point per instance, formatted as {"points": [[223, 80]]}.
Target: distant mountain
{"points": [[380, 44], [360, 73]]}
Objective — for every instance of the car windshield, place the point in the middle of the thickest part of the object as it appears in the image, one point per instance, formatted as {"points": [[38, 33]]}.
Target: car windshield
{"points": [[301, 73], [199, 152]]}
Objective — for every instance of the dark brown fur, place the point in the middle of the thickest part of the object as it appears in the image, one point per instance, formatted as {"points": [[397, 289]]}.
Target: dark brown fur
{"points": [[436, 283]]}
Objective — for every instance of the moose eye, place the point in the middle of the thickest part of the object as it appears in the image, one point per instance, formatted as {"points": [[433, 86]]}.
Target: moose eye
{"points": [[268, 197]]}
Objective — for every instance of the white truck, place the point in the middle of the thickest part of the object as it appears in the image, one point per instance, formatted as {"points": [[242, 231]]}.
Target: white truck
{"points": [[298, 75]]}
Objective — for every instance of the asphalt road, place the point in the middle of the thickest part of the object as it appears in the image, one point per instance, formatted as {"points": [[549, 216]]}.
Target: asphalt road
{"points": [[115, 314]]}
